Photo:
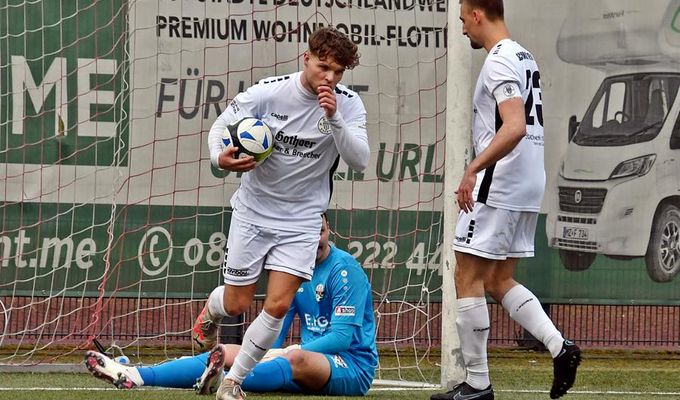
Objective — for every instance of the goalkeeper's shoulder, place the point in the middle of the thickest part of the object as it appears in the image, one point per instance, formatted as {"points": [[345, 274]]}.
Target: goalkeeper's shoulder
{"points": [[346, 272], [345, 260], [342, 257]]}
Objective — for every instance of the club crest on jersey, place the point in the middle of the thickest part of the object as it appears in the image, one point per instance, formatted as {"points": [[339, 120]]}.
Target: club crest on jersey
{"points": [[324, 126], [319, 292], [509, 90]]}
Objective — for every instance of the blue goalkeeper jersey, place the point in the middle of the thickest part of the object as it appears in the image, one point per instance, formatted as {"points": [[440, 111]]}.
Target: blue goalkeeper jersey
{"points": [[338, 294]]}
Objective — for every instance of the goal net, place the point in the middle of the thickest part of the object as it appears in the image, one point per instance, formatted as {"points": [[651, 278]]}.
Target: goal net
{"points": [[113, 221]]}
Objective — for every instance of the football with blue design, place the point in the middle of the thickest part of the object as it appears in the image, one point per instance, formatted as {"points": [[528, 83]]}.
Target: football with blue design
{"points": [[252, 137]]}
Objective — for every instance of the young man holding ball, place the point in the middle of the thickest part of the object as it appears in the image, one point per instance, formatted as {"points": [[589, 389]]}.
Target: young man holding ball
{"points": [[275, 221]]}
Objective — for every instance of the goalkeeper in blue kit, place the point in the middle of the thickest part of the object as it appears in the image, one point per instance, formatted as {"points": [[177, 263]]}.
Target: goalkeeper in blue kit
{"points": [[337, 354]]}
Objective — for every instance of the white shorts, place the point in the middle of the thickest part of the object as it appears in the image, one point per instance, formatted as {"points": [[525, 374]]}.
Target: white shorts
{"points": [[495, 233], [251, 247]]}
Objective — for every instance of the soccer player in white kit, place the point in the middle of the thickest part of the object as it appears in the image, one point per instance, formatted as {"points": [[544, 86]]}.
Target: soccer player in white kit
{"points": [[277, 209], [500, 196]]}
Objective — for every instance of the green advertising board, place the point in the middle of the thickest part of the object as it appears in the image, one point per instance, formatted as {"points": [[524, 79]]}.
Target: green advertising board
{"points": [[177, 252], [62, 68], [164, 251]]}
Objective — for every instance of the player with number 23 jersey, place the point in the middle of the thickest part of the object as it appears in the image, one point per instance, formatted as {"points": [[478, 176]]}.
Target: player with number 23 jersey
{"points": [[516, 182]]}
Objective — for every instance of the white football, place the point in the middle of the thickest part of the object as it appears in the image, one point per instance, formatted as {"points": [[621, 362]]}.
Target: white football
{"points": [[252, 137]]}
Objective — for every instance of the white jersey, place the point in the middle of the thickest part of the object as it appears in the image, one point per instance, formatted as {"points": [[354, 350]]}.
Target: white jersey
{"points": [[293, 187], [517, 181]]}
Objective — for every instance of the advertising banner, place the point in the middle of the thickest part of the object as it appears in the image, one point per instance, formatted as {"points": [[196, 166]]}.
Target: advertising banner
{"points": [[105, 108]]}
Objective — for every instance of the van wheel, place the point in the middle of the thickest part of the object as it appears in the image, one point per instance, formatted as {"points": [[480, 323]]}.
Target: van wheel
{"points": [[663, 250], [576, 260]]}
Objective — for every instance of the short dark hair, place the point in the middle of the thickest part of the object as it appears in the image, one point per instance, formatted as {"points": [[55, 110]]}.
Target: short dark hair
{"points": [[330, 42], [492, 8]]}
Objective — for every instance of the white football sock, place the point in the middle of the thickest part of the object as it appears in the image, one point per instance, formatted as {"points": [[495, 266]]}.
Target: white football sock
{"points": [[216, 303], [525, 308], [259, 337], [473, 330]]}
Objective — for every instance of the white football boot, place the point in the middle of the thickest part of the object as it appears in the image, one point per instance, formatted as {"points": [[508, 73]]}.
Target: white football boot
{"points": [[209, 382], [121, 376], [230, 390]]}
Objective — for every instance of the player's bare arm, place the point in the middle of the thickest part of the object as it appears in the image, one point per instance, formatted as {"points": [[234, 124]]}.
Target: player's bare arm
{"points": [[508, 137]]}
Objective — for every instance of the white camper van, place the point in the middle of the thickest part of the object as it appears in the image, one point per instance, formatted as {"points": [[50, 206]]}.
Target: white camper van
{"points": [[619, 182]]}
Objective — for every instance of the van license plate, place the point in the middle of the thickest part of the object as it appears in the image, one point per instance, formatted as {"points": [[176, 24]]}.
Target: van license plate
{"points": [[574, 233]]}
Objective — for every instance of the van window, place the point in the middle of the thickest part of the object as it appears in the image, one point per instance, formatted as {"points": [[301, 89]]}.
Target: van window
{"points": [[628, 109], [610, 105], [675, 135]]}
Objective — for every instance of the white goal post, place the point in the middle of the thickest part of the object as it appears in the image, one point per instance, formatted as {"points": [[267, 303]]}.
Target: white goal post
{"points": [[458, 152]]}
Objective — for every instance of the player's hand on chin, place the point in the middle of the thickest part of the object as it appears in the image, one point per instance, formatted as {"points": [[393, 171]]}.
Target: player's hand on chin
{"points": [[229, 162], [326, 97]]}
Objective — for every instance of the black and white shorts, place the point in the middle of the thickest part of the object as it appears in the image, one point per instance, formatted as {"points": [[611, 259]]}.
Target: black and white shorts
{"points": [[495, 233]]}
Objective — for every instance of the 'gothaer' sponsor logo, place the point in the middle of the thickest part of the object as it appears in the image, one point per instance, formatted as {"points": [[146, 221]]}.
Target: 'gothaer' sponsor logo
{"points": [[281, 137]]}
